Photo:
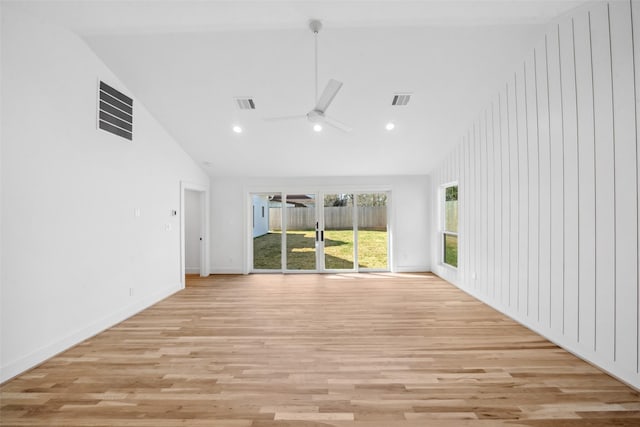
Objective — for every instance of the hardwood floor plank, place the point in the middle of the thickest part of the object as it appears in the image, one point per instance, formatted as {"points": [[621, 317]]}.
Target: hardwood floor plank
{"points": [[357, 350]]}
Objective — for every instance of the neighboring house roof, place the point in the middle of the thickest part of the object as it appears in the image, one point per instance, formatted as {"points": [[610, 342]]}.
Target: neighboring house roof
{"points": [[297, 200]]}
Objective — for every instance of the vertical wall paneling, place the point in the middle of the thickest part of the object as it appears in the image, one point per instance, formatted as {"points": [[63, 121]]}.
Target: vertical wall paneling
{"points": [[514, 205], [491, 290], [478, 207], [604, 170], [506, 197], [473, 189], [523, 191], [635, 15], [586, 196], [462, 233], [487, 200], [545, 182], [533, 205], [482, 194], [626, 218], [570, 179], [557, 183], [470, 207], [550, 189], [497, 193], [468, 212], [469, 217]]}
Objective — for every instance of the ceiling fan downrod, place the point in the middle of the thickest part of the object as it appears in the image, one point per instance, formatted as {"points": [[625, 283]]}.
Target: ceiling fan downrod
{"points": [[315, 25]]}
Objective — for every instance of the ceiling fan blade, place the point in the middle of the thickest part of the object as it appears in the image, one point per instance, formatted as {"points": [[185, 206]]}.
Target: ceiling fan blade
{"points": [[328, 94], [337, 124], [283, 118]]}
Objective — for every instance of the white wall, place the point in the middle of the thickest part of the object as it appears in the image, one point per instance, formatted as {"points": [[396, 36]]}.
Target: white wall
{"points": [[75, 258], [549, 185], [192, 222], [231, 221]]}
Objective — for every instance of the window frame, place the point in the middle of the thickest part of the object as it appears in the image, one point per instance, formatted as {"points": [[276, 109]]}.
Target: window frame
{"points": [[442, 226]]}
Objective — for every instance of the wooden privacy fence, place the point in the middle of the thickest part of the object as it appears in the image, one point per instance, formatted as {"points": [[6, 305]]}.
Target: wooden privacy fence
{"points": [[369, 217]]}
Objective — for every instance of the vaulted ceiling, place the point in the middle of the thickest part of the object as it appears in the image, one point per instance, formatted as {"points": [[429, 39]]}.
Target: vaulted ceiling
{"points": [[187, 60]]}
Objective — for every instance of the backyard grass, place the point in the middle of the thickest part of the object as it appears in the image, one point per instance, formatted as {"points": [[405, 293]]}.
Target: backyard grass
{"points": [[451, 250], [338, 250]]}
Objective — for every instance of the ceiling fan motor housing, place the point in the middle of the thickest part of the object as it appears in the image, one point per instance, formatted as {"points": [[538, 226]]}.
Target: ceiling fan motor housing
{"points": [[315, 25], [315, 116]]}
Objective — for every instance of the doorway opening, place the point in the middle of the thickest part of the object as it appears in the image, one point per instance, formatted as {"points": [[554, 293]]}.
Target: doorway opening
{"points": [[194, 230]]}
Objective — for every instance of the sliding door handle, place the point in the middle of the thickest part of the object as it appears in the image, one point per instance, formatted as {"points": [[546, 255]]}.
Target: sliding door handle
{"points": [[322, 236], [316, 235]]}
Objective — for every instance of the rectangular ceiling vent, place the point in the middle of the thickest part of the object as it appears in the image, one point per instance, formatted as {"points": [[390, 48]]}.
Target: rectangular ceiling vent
{"points": [[401, 99], [115, 112], [246, 103]]}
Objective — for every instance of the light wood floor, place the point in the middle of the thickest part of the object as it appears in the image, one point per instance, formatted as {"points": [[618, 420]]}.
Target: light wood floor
{"points": [[369, 350]]}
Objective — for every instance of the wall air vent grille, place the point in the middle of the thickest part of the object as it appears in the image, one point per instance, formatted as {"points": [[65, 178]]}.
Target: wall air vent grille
{"points": [[400, 99], [245, 103], [115, 112]]}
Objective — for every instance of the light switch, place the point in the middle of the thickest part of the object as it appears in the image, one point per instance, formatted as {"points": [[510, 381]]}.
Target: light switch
{"points": [[136, 212]]}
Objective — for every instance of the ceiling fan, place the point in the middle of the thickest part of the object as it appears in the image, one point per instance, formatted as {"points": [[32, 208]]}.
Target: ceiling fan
{"points": [[317, 115]]}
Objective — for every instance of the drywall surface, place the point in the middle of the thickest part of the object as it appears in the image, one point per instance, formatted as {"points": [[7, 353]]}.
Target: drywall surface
{"points": [[548, 178], [87, 233], [408, 222]]}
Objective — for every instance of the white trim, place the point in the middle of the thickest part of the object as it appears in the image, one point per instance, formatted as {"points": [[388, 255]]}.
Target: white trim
{"points": [[46, 352], [441, 223], [227, 270], [409, 269]]}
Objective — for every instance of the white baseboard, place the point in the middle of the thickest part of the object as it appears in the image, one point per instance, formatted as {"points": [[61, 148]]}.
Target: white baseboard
{"points": [[39, 356], [223, 270], [192, 270], [412, 269]]}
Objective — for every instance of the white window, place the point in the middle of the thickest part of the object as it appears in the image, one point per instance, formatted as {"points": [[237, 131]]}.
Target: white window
{"points": [[449, 224]]}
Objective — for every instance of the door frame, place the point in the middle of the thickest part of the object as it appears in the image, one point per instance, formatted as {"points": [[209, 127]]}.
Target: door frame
{"points": [[204, 228], [319, 191]]}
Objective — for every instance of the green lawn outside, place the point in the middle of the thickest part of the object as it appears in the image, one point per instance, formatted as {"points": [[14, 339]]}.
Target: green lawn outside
{"points": [[451, 250], [338, 250]]}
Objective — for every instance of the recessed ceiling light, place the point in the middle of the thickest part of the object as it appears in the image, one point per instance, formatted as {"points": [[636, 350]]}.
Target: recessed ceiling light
{"points": [[317, 127], [237, 129], [390, 126]]}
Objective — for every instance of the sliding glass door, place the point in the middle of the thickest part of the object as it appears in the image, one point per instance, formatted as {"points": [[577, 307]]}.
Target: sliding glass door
{"points": [[338, 237], [267, 231], [320, 232], [373, 235], [301, 227]]}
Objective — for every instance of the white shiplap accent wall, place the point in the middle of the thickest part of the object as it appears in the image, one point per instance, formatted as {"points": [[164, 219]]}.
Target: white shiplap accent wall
{"points": [[549, 190]]}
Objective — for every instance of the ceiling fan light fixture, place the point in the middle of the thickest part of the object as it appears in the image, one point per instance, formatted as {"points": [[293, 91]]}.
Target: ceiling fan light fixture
{"points": [[237, 129], [317, 127], [390, 126]]}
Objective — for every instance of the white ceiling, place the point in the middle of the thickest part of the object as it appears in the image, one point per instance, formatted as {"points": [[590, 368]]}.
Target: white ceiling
{"points": [[186, 60]]}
